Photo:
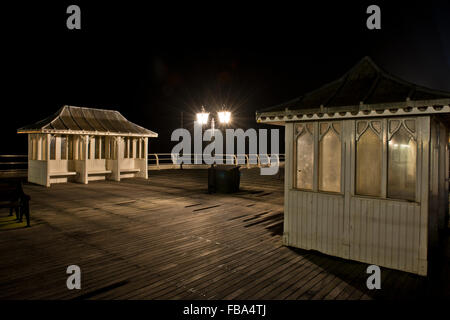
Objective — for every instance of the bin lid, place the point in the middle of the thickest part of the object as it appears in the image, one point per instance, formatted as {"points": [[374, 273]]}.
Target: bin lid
{"points": [[226, 167]]}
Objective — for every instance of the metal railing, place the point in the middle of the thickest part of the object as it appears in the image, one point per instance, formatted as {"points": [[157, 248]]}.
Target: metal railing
{"points": [[11, 163], [158, 161]]}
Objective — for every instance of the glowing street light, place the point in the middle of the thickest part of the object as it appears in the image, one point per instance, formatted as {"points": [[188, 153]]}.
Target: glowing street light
{"points": [[202, 117], [224, 117]]}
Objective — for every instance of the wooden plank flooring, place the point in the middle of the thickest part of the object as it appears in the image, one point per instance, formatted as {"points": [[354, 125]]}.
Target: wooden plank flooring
{"points": [[166, 238]]}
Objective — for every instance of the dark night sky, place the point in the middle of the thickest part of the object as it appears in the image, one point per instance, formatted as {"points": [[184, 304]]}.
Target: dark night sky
{"points": [[151, 62]]}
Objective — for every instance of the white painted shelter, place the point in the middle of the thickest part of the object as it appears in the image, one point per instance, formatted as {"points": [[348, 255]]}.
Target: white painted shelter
{"points": [[86, 144], [366, 171]]}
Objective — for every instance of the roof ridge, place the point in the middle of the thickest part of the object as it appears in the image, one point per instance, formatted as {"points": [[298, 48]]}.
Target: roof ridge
{"points": [[99, 122], [110, 122], [86, 118], [396, 78], [77, 107], [118, 112], [74, 120], [380, 73], [57, 115]]}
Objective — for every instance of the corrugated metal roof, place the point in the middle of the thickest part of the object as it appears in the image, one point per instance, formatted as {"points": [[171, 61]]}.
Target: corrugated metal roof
{"points": [[364, 85], [77, 120]]}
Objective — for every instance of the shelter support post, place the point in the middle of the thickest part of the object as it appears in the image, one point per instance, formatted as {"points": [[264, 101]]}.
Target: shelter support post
{"points": [[288, 183], [47, 157], [145, 157], [142, 158], [30, 155], [116, 155], [39, 147], [83, 169], [424, 192]]}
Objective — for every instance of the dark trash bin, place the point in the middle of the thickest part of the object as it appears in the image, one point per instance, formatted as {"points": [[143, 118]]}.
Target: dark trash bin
{"points": [[223, 178]]}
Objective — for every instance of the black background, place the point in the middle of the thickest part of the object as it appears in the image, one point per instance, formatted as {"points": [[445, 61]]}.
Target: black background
{"points": [[151, 60]]}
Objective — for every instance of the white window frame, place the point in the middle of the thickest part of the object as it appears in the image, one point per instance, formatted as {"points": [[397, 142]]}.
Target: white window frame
{"points": [[349, 135], [317, 137]]}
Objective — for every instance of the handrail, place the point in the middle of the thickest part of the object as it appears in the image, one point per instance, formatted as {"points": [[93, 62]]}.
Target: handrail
{"points": [[13, 156], [10, 166], [170, 161], [13, 162], [158, 160]]}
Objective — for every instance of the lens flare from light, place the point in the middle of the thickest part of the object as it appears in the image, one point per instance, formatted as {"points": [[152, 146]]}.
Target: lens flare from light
{"points": [[202, 117], [224, 116]]}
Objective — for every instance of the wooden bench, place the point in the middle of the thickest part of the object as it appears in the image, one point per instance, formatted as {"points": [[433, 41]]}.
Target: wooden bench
{"points": [[13, 197], [62, 174], [129, 170], [99, 172]]}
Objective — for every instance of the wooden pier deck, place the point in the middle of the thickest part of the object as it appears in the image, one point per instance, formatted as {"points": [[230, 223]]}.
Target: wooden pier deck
{"points": [[166, 238]]}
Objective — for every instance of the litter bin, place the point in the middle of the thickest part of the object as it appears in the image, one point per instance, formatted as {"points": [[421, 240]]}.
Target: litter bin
{"points": [[223, 178]]}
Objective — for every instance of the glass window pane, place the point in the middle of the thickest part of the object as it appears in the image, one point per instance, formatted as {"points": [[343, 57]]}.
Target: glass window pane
{"points": [[337, 127], [76, 148], [33, 148], [97, 147], [138, 149], [111, 149], [323, 127], [52, 147], [89, 143], [393, 125], [305, 161], [368, 164], [411, 124], [81, 148], [402, 166], [330, 162], [132, 155], [63, 147], [377, 126], [43, 148], [70, 141], [361, 126], [103, 147]]}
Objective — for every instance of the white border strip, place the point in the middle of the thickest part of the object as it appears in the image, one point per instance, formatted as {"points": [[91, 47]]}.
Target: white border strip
{"points": [[289, 117]]}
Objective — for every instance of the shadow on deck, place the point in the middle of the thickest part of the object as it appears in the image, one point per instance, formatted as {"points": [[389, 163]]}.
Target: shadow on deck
{"points": [[166, 238]]}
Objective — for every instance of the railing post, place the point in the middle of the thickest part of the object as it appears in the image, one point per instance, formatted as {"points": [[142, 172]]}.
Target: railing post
{"points": [[157, 161], [278, 159]]}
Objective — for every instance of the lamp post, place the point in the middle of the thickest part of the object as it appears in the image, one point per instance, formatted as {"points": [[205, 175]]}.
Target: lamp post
{"points": [[223, 116]]}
